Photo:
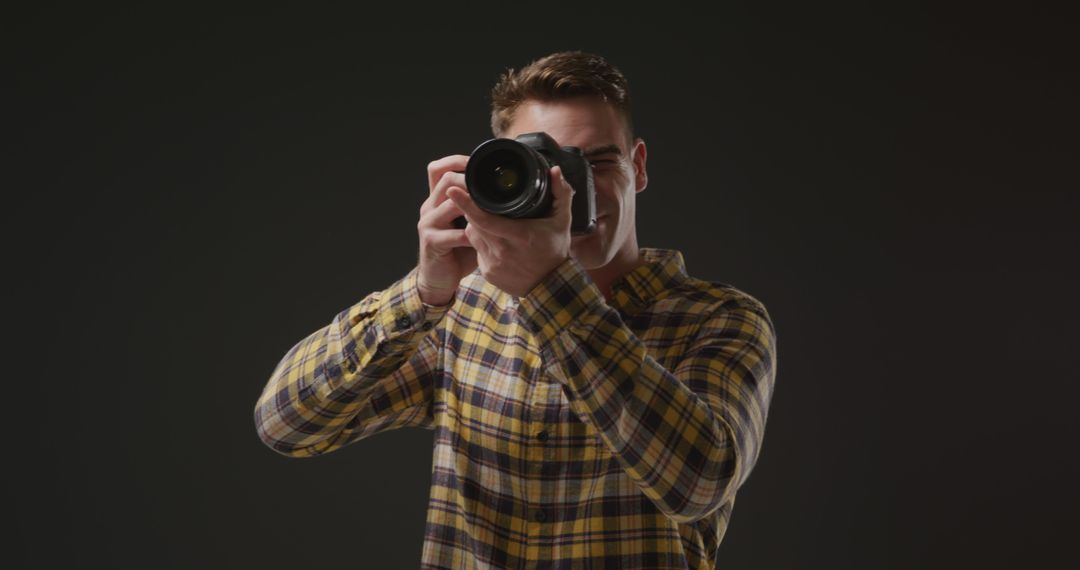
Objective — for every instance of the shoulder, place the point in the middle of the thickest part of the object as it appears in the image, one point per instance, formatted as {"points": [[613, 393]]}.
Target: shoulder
{"points": [[717, 303]]}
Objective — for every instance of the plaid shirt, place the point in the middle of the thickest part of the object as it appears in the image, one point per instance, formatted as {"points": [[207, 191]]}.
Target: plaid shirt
{"points": [[570, 431]]}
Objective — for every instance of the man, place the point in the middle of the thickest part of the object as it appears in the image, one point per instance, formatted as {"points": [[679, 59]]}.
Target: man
{"points": [[593, 406]]}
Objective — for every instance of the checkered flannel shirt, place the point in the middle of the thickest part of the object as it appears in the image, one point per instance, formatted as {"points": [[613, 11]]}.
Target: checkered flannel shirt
{"points": [[571, 431]]}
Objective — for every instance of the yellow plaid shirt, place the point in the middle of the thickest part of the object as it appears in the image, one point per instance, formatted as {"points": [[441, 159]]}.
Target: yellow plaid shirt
{"points": [[571, 431]]}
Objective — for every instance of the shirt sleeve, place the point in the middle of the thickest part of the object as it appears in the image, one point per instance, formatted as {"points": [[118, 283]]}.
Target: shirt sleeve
{"points": [[370, 370], [688, 436]]}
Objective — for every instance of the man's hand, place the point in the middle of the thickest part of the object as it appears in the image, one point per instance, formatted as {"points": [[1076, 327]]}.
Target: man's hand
{"points": [[446, 256], [516, 254]]}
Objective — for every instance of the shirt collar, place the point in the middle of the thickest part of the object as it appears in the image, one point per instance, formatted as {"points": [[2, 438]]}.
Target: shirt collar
{"points": [[661, 270]]}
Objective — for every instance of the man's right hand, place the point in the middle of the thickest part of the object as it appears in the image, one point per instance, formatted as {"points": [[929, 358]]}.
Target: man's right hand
{"points": [[446, 256]]}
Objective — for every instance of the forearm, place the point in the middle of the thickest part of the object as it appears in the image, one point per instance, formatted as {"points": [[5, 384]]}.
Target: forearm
{"points": [[360, 374], [689, 435]]}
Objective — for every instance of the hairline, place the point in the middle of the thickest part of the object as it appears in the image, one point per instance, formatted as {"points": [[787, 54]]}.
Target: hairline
{"points": [[624, 115]]}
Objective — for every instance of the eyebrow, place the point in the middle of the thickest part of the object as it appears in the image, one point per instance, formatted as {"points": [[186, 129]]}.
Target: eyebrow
{"points": [[604, 149]]}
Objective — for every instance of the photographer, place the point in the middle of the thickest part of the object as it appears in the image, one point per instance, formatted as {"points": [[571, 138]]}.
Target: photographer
{"points": [[593, 405]]}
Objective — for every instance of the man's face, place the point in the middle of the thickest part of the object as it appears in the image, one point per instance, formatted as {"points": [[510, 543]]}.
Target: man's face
{"points": [[618, 168]]}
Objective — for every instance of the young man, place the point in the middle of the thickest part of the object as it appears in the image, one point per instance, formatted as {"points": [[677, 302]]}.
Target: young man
{"points": [[593, 405]]}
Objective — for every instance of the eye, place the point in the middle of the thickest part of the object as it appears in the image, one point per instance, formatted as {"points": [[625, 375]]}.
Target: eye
{"points": [[602, 163]]}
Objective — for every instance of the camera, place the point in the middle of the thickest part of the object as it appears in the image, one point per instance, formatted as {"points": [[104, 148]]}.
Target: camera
{"points": [[511, 177]]}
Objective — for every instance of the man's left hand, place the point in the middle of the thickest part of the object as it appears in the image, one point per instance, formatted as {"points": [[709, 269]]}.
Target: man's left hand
{"points": [[516, 254]]}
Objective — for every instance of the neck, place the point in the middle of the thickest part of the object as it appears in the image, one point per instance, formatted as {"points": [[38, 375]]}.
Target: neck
{"points": [[626, 259]]}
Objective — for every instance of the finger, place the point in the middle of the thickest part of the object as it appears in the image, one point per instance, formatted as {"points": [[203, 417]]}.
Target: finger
{"points": [[436, 168], [440, 242], [438, 193], [488, 222], [562, 193], [448, 179], [441, 216]]}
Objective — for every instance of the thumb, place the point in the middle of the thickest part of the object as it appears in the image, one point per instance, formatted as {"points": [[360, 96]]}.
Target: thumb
{"points": [[562, 193]]}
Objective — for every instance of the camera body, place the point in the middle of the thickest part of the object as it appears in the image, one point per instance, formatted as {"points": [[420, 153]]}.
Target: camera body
{"points": [[511, 177]]}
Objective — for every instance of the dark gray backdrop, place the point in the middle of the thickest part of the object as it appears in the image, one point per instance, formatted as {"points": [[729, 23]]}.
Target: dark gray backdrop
{"points": [[191, 191]]}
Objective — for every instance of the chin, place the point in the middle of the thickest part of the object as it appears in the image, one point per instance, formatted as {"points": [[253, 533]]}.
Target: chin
{"points": [[590, 255], [593, 250]]}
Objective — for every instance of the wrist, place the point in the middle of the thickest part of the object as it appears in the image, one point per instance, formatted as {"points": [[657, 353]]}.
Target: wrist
{"points": [[434, 297]]}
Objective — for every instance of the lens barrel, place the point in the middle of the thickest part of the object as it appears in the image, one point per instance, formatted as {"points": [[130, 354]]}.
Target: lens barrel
{"points": [[506, 177]]}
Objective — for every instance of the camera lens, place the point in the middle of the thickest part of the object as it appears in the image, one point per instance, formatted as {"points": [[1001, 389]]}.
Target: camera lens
{"points": [[499, 176], [509, 178], [506, 177]]}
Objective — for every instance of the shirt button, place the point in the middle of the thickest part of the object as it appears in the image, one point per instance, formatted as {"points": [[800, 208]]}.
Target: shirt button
{"points": [[404, 321], [540, 516], [542, 436]]}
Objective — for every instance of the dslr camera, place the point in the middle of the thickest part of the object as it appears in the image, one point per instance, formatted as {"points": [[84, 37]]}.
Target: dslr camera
{"points": [[511, 177]]}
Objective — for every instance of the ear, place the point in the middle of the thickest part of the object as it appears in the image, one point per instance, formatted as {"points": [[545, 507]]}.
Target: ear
{"points": [[637, 156]]}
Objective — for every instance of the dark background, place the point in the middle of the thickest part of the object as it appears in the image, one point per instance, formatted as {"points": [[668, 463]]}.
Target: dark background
{"points": [[190, 191]]}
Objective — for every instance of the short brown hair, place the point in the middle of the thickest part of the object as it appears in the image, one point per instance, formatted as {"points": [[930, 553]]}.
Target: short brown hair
{"points": [[561, 75]]}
